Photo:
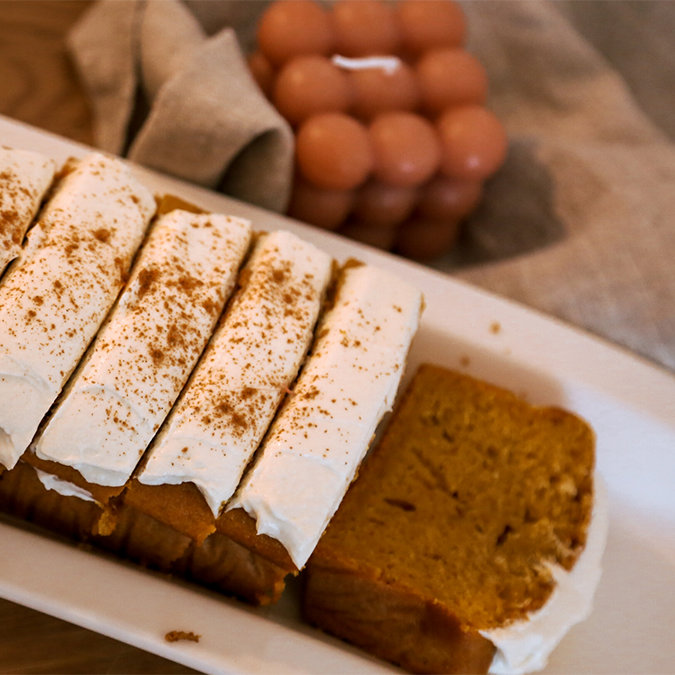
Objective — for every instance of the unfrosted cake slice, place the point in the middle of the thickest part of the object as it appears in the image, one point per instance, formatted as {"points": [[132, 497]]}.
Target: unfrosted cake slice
{"points": [[145, 352], [472, 538], [54, 300], [25, 178]]}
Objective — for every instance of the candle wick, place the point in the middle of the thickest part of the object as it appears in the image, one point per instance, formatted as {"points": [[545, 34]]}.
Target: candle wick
{"points": [[387, 63]]}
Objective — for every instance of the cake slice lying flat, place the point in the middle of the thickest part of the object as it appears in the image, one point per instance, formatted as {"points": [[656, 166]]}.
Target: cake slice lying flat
{"points": [[220, 419], [314, 448], [472, 538], [145, 352], [54, 300], [25, 178]]}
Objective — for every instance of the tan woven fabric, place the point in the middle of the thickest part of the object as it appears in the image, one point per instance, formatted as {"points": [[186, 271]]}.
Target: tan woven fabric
{"points": [[579, 222]]}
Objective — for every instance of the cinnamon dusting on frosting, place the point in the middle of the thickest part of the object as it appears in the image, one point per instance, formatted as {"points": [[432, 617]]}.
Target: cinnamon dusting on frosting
{"points": [[144, 354], [321, 433], [102, 234], [76, 275], [246, 370], [24, 179]]}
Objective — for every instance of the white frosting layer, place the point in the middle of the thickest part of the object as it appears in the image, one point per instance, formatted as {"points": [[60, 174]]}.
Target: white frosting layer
{"points": [[54, 299], [63, 487], [25, 177], [316, 444], [144, 354], [223, 414], [525, 646]]}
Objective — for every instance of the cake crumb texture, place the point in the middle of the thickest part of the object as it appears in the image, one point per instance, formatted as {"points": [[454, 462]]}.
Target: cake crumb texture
{"points": [[467, 502], [176, 635]]}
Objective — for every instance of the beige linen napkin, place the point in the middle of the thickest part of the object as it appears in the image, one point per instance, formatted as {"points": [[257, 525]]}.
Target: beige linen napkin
{"points": [[207, 122], [579, 222]]}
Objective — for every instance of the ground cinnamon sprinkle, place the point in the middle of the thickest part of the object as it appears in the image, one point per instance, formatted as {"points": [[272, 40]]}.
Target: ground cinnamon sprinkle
{"points": [[7, 219], [146, 278], [210, 306], [8, 216], [72, 247], [157, 356], [224, 408], [174, 337], [239, 419], [311, 393], [102, 234], [247, 392], [187, 283], [122, 268]]}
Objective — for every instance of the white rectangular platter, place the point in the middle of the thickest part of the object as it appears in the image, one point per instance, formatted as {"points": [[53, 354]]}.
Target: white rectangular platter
{"points": [[630, 404]]}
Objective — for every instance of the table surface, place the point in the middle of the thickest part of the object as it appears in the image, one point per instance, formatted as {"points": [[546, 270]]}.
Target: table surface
{"points": [[40, 87]]}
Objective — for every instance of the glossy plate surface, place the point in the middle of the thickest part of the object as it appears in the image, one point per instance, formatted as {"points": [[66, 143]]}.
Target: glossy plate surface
{"points": [[630, 404]]}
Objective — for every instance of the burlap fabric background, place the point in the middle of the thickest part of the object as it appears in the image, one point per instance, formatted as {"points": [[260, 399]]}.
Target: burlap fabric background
{"points": [[580, 222]]}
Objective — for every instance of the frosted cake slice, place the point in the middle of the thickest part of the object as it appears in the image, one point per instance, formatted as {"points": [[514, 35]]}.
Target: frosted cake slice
{"points": [[146, 350], [54, 300], [315, 446], [200, 454], [25, 178]]}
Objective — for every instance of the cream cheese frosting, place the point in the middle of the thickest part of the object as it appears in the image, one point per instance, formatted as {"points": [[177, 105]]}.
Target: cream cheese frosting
{"points": [[220, 419], [314, 447], [524, 646], [25, 177], [63, 487], [143, 356], [54, 299]]}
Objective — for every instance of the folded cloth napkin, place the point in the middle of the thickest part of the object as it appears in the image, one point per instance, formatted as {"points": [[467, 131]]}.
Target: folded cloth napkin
{"points": [[207, 122], [578, 223]]}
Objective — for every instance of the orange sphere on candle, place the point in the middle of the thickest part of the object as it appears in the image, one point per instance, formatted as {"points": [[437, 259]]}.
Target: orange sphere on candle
{"points": [[377, 204], [377, 90], [309, 85], [474, 142], [406, 148], [445, 198], [289, 28], [324, 208], [425, 239], [430, 23], [448, 77], [333, 151], [364, 27]]}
